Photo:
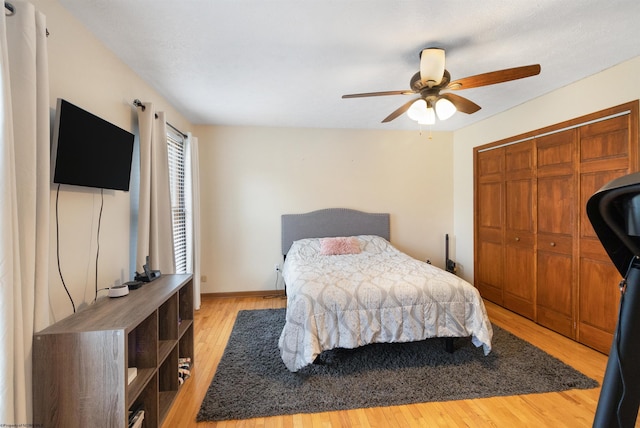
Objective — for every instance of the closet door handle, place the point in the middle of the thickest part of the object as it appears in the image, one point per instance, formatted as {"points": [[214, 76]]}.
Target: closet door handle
{"points": [[553, 244], [517, 238]]}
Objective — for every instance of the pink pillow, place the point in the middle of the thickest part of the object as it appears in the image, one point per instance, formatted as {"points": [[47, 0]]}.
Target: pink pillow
{"points": [[340, 245]]}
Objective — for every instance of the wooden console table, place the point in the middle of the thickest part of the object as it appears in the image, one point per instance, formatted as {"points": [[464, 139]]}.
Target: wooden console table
{"points": [[81, 364]]}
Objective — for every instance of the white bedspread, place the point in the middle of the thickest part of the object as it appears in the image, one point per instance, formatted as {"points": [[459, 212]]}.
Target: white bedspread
{"points": [[379, 295]]}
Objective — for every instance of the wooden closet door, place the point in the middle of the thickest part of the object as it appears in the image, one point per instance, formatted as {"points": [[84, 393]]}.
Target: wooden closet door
{"points": [[557, 225], [608, 150], [519, 257], [567, 278], [489, 219]]}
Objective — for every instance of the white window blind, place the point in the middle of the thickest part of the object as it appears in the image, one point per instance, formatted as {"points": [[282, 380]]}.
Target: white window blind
{"points": [[176, 148]]}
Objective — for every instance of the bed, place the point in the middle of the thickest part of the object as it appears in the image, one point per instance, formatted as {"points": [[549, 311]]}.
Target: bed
{"points": [[347, 286]]}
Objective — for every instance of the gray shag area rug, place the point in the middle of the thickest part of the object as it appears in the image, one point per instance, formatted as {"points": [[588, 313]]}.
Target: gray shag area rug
{"points": [[252, 381]]}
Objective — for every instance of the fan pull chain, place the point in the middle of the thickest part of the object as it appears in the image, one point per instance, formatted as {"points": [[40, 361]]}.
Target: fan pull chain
{"points": [[430, 137]]}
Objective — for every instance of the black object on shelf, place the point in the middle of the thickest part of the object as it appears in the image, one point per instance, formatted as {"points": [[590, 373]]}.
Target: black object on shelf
{"points": [[148, 275], [133, 285], [614, 212]]}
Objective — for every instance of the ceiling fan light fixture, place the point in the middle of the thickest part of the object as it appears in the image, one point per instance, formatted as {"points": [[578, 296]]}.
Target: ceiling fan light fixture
{"points": [[445, 108], [422, 112], [430, 118], [433, 78], [432, 66], [418, 110]]}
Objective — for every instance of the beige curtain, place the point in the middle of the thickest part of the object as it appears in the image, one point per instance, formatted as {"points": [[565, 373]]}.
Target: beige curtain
{"points": [[24, 203], [193, 200], [155, 232]]}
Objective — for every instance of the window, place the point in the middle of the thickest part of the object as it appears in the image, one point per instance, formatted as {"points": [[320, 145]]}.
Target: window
{"points": [[176, 144]]}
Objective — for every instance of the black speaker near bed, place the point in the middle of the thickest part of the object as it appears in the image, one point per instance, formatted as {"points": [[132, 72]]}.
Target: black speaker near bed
{"points": [[614, 212]]}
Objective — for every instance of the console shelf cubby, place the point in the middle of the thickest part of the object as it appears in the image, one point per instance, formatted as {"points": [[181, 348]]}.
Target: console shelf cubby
{"points": [[80, 364]]}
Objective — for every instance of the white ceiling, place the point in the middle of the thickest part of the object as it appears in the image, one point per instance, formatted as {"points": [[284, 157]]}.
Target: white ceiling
{"points": [[287, 63]]}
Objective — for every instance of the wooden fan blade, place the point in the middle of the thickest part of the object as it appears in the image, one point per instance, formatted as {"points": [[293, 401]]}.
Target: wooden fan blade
{"points": [[404, 107], [377, 94], [462, 104], [494, 77]]}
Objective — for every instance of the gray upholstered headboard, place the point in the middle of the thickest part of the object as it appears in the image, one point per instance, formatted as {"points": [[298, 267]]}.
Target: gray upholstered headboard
{"points": [[332, 222]]}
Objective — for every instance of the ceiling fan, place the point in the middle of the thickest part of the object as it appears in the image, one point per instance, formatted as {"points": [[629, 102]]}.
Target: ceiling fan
{"points": [[434, 78]]}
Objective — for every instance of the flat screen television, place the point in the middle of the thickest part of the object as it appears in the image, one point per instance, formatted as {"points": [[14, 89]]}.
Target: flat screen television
{"points": [[89, 151]]}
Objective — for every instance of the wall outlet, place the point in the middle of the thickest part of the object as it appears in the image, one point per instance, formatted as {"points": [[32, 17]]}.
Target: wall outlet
{"points": [[203, 278]]}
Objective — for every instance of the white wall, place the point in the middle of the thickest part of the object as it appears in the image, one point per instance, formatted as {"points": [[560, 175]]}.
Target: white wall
{"points": [[251, 176], [85, 73], [609, 88]]}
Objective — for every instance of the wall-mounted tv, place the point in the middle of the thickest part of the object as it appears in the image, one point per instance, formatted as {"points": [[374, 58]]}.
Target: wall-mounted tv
{"points": [[89, 151]]}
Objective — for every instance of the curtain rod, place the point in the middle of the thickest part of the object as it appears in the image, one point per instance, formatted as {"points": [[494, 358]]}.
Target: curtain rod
{"points": [[138, 103]]}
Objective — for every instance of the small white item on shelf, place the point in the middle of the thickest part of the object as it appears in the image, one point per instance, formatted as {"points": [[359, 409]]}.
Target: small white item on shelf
{"points": [[184, 369], [136, 420], [132, 372], [119, 290]]}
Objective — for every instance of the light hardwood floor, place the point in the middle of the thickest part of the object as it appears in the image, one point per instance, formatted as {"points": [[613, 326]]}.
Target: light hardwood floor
{"points": [[574, 408]]}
